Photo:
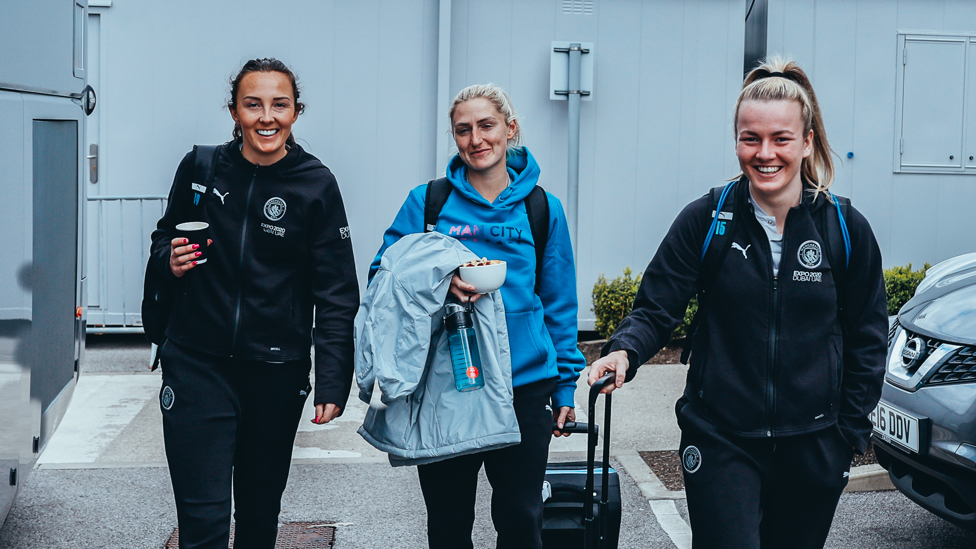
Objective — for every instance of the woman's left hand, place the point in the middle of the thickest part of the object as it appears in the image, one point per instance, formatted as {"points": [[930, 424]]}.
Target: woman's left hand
{"points": [[463, 291], [325, 413], [561, 415]]}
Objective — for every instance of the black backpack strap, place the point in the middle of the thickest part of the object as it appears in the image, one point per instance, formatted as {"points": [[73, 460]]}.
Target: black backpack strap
{"points": [[204, 169], [537, 208], [833, 229], [437, 192], [204, 172], [716, 246]]}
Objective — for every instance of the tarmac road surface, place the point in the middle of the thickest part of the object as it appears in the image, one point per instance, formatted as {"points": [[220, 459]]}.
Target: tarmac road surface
{"points": [[102, 481]]}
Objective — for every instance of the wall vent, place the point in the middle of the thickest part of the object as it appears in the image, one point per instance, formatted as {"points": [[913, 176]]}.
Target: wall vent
{"points": [[578, 7]]}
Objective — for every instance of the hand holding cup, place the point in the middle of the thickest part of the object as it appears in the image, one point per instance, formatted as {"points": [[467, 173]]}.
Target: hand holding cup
{"points": [[189, 249]]}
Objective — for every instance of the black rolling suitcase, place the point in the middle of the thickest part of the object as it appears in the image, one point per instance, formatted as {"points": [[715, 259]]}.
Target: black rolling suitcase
{"points": [[578, 513]]}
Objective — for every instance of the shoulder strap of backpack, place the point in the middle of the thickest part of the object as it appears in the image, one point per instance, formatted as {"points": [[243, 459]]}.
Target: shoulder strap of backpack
{"points": [[837, 240], [716, 246], [537, 209], [437, 192], [832, 226], [837, 236], [203, 169]]}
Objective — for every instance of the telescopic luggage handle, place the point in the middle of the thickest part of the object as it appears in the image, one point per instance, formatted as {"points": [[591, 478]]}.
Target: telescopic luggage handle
{"points": [[593, 531], [574, 427]]}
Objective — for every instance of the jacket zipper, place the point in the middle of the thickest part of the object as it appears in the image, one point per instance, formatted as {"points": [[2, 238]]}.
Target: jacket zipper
{"points": [[240, 262], [773, 308], [771, 370]]}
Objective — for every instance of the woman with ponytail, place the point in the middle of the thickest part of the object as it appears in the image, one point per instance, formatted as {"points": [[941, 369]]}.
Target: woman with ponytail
{"points": [[236, 357], [789, 343]]}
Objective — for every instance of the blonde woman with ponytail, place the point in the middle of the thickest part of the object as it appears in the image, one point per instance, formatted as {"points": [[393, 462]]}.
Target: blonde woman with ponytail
{"points": [[788, 347]]}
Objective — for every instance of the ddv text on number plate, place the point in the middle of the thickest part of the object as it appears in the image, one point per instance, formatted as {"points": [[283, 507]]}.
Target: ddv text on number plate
{"points": [[893, 425]]}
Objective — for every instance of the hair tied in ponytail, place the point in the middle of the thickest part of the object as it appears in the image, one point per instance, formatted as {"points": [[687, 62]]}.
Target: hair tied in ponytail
{"points": [[788, 76]]}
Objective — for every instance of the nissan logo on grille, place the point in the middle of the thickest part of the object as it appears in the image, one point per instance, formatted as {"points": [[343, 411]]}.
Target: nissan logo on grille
{"points": [[914, 353]]}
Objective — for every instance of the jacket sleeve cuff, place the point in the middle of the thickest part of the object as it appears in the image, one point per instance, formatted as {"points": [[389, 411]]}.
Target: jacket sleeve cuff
{"points": [[332, 397], [632, 358], [564, 396], [856, 433]]}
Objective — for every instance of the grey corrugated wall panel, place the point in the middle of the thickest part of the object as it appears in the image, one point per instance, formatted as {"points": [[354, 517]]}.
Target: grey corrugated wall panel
{"points": [[849, 48]]}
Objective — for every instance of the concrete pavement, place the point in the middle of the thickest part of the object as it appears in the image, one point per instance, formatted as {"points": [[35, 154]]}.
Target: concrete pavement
{"points": [[102, 479]]}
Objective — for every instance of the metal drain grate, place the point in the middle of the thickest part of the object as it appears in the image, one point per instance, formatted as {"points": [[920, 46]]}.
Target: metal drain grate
{"points": [[293, 535]]}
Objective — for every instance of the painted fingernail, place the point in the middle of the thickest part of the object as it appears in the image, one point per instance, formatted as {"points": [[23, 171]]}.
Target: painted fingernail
{"points": [[198, 254], [194, 262], [186, 240], [195, 246]]}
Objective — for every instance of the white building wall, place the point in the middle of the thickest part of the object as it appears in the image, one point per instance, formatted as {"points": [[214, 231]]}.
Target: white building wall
{"points": [[367, 71], [850, 50], [656, 135]]}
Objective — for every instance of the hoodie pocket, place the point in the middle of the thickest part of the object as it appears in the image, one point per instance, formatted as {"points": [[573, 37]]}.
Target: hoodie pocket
{"points": [[525, 339]]}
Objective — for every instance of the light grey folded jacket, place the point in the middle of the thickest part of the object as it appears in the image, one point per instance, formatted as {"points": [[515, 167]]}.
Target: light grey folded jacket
{"points": [[402, 348]]}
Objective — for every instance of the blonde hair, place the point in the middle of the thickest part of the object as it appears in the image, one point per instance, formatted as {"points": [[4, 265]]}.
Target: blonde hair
{"points": [[781, 79], [498, 98]]}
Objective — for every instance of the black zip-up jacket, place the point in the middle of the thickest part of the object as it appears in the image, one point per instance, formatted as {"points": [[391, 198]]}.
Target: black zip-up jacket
{"points": [[772, 356], [281, 247]]}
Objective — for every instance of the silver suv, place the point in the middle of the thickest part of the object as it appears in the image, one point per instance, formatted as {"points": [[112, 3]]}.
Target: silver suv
{"points": [[925, 424]]}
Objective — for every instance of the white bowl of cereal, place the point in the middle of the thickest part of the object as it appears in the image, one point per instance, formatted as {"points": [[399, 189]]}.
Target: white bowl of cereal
{"points": [[486, 275]]}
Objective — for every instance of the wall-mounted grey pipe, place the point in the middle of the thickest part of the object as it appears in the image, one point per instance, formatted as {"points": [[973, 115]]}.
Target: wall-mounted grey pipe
{"points": [[443, 86], [572, 184]]}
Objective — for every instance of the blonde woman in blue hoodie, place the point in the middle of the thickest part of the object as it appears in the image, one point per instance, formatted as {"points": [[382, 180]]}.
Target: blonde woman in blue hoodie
{"points": [[490, 178]]}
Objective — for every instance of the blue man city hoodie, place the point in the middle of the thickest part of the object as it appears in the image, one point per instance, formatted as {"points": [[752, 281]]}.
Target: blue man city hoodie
{"points": [[542, 328]]}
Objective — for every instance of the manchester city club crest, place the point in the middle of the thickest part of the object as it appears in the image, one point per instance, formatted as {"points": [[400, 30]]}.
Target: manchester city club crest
{"points": [[809, 254], [691, 459], [167, 398], [274, 208]]}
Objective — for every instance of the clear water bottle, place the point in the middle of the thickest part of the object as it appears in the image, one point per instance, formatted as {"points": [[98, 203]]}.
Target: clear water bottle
{"points": [[464, 349]]}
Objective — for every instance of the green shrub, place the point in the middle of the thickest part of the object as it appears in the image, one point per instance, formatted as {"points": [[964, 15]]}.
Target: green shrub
{"points": [[685, 326], [613, 300], [900, 284]]}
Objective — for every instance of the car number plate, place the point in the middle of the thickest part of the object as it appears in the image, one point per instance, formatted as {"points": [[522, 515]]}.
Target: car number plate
{"points": [[893, 425]]}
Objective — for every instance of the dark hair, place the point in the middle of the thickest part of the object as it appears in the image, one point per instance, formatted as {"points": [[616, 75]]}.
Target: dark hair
{"points": [[268, 64]]}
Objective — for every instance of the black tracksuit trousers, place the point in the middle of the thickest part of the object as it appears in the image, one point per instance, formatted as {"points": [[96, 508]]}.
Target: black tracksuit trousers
{"points": [[229, 421], [516, 474], [773, 493]]}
